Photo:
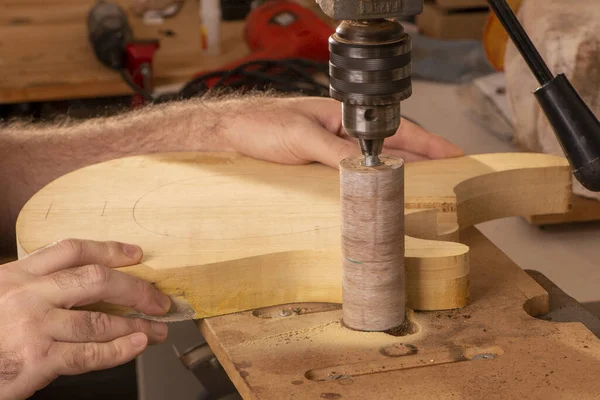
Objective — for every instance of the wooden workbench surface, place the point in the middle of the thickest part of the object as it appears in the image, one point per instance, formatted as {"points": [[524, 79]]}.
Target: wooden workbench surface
{"points": [[45, 53]]}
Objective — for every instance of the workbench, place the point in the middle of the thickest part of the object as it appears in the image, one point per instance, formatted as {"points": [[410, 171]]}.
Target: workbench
{"points": [[45, 54]]}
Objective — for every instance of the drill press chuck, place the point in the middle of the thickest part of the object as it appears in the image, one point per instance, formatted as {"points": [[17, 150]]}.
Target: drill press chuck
{"points": [[370, 70]]}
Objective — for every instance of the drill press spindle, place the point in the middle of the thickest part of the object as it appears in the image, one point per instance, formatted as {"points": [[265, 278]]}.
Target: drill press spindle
{"points": [[370, 67], [370, 74]]}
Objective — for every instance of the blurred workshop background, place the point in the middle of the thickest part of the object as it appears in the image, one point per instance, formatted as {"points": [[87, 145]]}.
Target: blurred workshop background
{"points": [[62, 59]]}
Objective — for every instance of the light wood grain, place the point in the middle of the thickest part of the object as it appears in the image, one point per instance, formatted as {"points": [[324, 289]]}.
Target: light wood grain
{"points": [[582, 210], [442, 22], [224, 233], [304, 351]]}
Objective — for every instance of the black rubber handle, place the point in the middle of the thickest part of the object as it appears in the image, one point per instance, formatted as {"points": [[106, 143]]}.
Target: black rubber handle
{"points": [[576, 127]]}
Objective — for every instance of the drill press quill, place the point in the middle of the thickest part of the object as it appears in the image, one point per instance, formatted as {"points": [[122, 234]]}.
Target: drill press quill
{"points": [[370, 67]]}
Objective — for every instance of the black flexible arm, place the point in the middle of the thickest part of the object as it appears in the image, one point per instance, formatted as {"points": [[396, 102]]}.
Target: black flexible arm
{"points": [[521, 40], [576, 127]]}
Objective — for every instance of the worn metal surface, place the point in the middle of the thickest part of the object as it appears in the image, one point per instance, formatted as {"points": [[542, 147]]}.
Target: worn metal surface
{"points": [[205, 366]]}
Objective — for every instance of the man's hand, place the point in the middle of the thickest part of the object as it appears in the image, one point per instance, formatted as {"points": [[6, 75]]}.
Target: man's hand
{"points": [[42, 338], [304, 130]]}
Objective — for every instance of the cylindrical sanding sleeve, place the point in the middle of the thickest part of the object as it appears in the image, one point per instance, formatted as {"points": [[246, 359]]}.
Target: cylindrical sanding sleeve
{"points": [[372, 206]]}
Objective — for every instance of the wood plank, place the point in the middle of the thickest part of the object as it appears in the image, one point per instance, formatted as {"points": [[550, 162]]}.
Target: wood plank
{"points": [[224, 233], [21, 14], [491, 349], [582, 210], [439, 23]]}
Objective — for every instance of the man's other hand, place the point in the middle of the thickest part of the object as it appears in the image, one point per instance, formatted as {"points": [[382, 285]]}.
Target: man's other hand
{"points": [[304, 130], [41, 337]]}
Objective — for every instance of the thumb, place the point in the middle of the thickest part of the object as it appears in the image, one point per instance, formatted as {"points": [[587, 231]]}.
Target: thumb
{"points": [[329, 149]]}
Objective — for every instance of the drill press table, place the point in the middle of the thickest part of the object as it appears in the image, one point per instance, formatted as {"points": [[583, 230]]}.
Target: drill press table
{"points": [[492, 349]]}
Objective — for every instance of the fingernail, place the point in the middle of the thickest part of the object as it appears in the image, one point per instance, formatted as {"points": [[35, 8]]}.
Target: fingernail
{"points": [[138, 339], [160, 328], [164, 301], [132, 251]]}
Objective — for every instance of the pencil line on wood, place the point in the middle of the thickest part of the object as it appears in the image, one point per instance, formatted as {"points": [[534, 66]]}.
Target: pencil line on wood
{"points": [[48, 212]]}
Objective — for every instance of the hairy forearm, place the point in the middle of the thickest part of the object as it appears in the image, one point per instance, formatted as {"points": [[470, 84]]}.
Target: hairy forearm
{"points": [[31, 155]]}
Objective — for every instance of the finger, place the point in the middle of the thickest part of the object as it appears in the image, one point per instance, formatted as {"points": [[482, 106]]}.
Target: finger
{"points": [[414, 139], [79, 358], [75, 253], [93, 283], [409, 137], [328, 149], [331, 150], [90, 326], [405, 155]]}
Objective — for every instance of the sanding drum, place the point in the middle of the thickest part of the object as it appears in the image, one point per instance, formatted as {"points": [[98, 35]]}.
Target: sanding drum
{"points": [[372, 208]]}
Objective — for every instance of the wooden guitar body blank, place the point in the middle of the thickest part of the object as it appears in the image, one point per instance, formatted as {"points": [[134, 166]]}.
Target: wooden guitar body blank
{"points": [[223, 233]]}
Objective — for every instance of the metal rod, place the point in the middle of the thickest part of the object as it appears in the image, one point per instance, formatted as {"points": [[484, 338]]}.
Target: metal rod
{"points": [[521, 40]]}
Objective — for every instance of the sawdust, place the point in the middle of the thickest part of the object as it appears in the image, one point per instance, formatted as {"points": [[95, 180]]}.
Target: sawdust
{"points": [[282, 311], [334, 331], [407, 328], [331, 396]]}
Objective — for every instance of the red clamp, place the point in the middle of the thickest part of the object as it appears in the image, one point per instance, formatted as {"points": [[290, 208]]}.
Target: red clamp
{"points": [[140, 54]]}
